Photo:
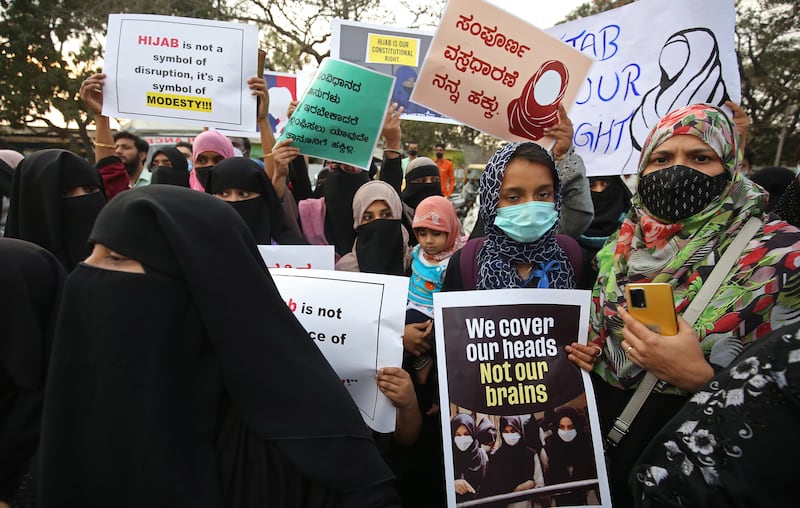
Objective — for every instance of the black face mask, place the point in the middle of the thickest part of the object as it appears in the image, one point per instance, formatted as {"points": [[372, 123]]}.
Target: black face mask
{"points": [[78, 216], [679, 192], [439, 155], [202, 174], [255, 213], [379, 247], [412, 152]]}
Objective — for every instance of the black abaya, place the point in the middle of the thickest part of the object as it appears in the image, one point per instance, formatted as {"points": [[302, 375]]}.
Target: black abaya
{"points": [[152, 409]]}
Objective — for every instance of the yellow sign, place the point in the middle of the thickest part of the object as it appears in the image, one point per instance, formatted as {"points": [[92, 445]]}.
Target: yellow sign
{"points": [[184, 102], [386, 49]]}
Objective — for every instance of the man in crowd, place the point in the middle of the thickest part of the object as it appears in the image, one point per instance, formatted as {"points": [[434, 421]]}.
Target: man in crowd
{"points": [[133, 151], [446, 171]]}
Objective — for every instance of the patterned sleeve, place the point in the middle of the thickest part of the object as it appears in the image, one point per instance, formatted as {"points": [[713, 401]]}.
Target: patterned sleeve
{"points": [[788, 208]]}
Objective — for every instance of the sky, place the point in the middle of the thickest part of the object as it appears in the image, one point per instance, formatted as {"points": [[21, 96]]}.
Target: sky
{"points": [[541, 13]]}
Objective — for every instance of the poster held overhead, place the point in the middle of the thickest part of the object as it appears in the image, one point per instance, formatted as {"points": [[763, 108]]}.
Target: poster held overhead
{"points": [[165, 68], [394, 51], [340, 115], [496, 73]]}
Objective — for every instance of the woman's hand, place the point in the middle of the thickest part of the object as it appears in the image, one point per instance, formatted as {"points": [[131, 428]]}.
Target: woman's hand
{"points": [[677, 359], [91, 93], [258, 87], [740, 120], [562, 132], [463, 487], [584, 355], [396, 384], [391, 128], [282, 154], [415, 337]]}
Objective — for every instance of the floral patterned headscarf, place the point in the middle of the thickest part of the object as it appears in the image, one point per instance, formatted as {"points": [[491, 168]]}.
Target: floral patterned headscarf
{"points": [[683, 254]]}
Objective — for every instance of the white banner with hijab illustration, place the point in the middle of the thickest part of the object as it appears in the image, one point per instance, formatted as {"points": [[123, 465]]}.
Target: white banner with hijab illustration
{"points": [[649, 60], [357, 320], [497, 73], [194, 71], [512, 401]]}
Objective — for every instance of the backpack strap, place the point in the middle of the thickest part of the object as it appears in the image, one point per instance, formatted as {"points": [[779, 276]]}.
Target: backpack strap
{"points": [[574, 253], [469, 263]]}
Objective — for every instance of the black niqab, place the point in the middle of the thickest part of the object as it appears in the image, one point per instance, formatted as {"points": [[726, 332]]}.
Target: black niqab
{"points": [[264, 214], [176, 158], [379, 248], [136, 406], [38, 213], [339, 189], [414, 193], [31, 279], [609, 206]]}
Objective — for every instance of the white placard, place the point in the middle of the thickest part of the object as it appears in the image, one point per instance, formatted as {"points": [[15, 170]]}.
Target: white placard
{"points": [[191, 70], [318, 257], [357, 320]]}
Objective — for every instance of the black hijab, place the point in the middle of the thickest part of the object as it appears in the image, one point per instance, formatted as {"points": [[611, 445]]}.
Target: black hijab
{"points": [[175, 156], [136, 406], [264, 214], [509, 465], [31, 279], [414, 193], [775, 180], [178, 174], [339, 189], [610, 206], [38, 213], [6, 176]]}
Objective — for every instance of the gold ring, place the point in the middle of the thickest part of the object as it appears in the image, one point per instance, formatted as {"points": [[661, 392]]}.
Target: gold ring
{"points": [[628, 349], [599, 351]]}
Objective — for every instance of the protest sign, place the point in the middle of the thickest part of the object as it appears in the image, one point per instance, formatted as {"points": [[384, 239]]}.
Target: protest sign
{"points": [[506, 361], [318, 257], [340, 116], [643, 70], [357, 320], [397, 52], [282, 88], [173, 68], [498, 74]]}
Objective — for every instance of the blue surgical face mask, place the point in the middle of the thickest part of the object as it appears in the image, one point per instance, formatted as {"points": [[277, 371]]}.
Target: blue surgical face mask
{"points": [[526, 222], [189, 164]]}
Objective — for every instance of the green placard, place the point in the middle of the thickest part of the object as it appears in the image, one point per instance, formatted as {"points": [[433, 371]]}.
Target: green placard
{"points": [[340, 115]]}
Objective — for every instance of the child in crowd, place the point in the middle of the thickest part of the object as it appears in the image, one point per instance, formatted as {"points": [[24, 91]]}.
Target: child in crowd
{"points": [[438, 232]]}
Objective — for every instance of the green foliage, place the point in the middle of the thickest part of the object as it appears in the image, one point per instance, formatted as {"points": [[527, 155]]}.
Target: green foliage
{"points": [[48, 47], [768, 46]]}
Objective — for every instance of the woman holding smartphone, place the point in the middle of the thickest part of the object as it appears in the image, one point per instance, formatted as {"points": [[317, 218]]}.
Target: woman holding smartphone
{"points": [[691, 203]]}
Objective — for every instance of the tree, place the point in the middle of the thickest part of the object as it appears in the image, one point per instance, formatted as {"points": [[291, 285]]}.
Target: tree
{"points": [[47, 50], [768, 47], [297, 32]]}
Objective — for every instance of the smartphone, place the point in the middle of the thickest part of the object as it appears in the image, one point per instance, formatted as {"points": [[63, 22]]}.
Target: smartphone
{"points": [[652, 305]]}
